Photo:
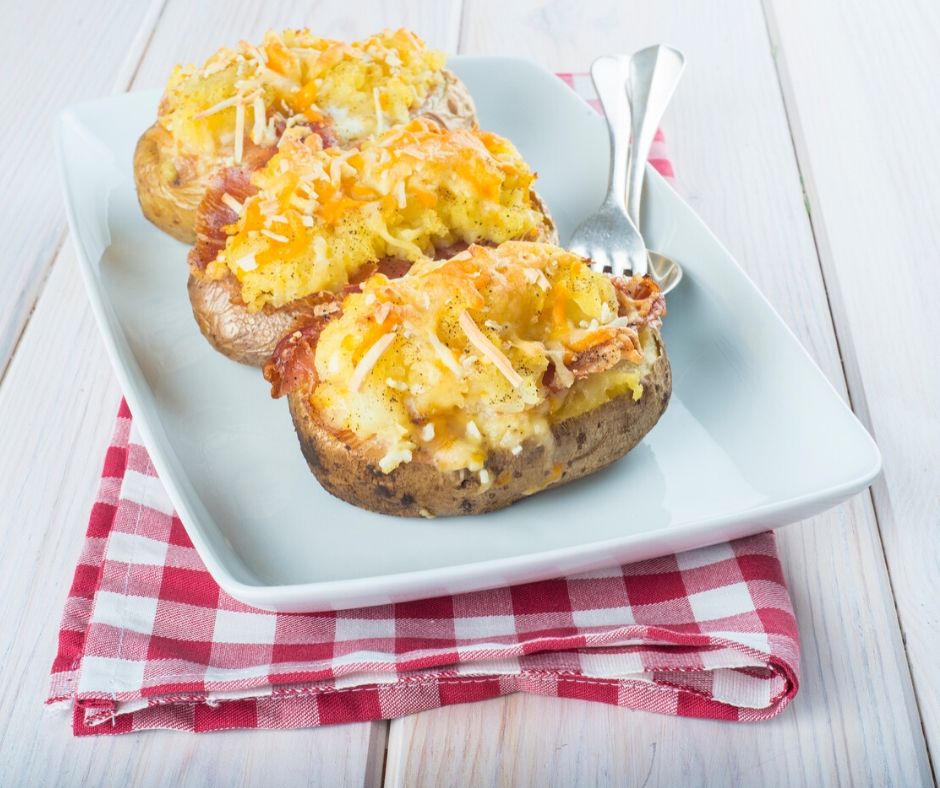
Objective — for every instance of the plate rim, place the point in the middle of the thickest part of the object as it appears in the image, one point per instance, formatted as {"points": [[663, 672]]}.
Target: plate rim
{"points": [[406, 585]]}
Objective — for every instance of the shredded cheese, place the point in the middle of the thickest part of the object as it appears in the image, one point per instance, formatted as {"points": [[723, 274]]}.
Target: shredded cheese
{"points": [[369, 360], [565, 376], [393, 459], [444, 354], [283, 239], [379, 115], [480, 342], [232, 203], [382, 312], [474, 431], [260, 124], [224, 104], [239, 132], [254, 52]]}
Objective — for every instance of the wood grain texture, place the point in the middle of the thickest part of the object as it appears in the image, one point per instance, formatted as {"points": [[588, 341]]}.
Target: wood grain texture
{"points": [[861, 84], [855, 719], [57, 407], [33, 90]]}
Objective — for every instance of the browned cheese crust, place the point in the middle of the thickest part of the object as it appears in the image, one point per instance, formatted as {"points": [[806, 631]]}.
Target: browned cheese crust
{"points": [[582, 445]]}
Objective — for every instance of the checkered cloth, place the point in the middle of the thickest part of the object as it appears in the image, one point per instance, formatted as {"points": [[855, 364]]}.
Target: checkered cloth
{"points": [[149, 640]]}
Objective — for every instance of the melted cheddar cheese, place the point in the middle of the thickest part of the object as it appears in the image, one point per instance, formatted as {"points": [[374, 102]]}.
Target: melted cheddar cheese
{"points": [[451, 361], [359, 89], [321, 215]]}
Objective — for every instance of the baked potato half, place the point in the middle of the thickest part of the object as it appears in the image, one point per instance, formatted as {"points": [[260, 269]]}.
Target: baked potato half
{"points": [[470, 383], [277, 243], [233, 109]]}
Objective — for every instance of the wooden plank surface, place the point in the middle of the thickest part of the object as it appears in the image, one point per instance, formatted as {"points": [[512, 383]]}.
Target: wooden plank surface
{"points": [[57, 407], [47, 62], [861, 82], [855, 719]]}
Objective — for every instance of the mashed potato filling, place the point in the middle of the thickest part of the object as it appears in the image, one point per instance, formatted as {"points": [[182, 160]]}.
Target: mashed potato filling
{"points": [[241, 94], [477, 353], [321, 215]]}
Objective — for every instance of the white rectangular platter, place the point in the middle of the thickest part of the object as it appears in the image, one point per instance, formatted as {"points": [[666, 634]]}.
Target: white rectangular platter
{"points": [[755, 437]]}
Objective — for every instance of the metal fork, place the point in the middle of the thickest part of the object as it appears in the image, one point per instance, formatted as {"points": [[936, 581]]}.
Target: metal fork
{"points": [[609, 238], [654, 73]]}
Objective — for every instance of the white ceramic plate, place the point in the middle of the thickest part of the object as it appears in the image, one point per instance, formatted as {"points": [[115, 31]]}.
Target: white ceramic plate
{"points": [[755, 436]]}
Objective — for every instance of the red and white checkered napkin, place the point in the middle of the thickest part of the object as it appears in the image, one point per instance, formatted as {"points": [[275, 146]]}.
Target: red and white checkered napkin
{"points": [[148, 640]]}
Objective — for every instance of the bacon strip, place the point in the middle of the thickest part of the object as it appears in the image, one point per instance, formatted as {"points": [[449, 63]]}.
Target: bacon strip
{"points": [[291, 367], [214, 214], [642, 304], [392, 267], [550, 379], [640, 299], [451, 250], [624, 344], [324, 131]]}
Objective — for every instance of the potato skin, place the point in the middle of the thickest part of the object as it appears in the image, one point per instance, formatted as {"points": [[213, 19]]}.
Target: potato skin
{"points": [[243, 336], [583, 444], [172, 205], [548, 232], [452, 104]]}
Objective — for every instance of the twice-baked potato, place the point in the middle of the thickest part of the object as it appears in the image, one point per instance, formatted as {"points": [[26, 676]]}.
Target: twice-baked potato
{"points": [[276, 245], [233, 110], [470, 383]]}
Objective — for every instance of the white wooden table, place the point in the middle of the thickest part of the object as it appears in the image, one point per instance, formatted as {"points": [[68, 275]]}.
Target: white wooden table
{"points": [[805, 133]]}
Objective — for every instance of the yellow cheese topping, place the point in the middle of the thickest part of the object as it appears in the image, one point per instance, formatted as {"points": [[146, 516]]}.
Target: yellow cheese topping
{"points": [[360, 89], [449, 362], [320, 215]]}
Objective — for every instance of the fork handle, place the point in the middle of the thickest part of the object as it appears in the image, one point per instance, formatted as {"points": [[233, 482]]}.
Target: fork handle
{"points": [[652, 76], [609, 76]]}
